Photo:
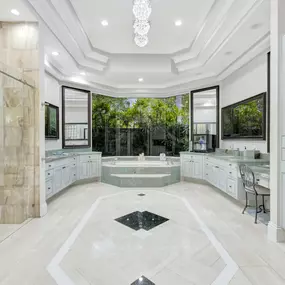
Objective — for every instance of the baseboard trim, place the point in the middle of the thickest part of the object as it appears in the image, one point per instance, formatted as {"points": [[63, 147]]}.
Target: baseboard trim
{"points": [[275, 233]]}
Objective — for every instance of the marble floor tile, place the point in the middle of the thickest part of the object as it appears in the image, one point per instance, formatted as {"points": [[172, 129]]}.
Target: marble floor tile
{"points": [[79, 242]]}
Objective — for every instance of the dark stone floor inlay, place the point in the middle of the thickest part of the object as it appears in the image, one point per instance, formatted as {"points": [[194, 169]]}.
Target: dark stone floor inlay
{"points": [[141, 194], [141, 220], [142, 281]]}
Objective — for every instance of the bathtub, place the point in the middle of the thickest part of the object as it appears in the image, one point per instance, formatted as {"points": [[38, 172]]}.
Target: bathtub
{"points": [[131, 172]]}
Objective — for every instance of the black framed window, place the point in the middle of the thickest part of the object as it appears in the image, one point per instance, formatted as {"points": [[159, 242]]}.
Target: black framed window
{"points": [[51, 121]]}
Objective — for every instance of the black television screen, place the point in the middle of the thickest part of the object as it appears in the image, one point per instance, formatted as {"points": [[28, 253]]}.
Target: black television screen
{"points": [[245, 119]]}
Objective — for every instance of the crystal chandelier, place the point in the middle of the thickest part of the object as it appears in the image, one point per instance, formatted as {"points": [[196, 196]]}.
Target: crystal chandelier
{"points": [[142, 11]]}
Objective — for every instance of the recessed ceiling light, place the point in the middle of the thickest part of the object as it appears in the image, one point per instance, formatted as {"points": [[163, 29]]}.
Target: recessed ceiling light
{"points": [[256, 26], [82, 73], [104, 23], [228, 53], [178, 23], [15, 12], [140, 79], [55, 53]]}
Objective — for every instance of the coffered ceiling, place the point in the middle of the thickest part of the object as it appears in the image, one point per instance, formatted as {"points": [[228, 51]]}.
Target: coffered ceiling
{"points": [[216, 38]]}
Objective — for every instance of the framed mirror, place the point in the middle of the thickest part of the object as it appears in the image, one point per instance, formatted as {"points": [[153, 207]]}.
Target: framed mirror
{"points": [[51, 121], [205, 119], [76, 118]]}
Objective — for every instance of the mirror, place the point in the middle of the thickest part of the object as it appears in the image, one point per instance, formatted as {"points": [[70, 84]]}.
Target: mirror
{"points": [[205, 119], [76, 117], [51, 121]]}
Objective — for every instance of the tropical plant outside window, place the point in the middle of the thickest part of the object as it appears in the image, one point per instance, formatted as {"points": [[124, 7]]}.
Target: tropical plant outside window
{"points": [[124, 126]]}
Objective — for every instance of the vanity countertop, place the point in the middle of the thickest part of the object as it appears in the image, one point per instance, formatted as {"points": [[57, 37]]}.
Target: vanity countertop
{"points": [[67, 155], [231, 158]]}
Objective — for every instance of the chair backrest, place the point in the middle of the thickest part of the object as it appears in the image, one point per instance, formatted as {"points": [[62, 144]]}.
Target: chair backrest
{"points": [[248, 178]]}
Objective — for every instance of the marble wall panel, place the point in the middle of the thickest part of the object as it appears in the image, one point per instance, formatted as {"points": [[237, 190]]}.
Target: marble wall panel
{"points": [[19, 123]]}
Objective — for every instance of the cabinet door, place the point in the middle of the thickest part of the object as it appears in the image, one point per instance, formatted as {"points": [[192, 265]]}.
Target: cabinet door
{"points": [[84, 169], [66, 178], [187, 168], [197, 169], [214, 176], [94, 168], [222, 179], [57, 181]]}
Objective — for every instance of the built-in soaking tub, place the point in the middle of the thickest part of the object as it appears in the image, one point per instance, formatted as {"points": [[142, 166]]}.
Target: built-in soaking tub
{"points": [[131, 172]]}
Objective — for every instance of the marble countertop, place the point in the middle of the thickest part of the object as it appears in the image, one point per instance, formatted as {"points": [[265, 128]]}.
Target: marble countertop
{"points": [[67, 155], [231, 158]]}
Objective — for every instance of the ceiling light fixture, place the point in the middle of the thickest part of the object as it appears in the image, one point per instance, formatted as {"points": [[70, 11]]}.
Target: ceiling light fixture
{"points": [[228, 53], [104, 23], [82, 73], [15, 12], [178, 23], [55, 53], [141, 10], [141, 79]]}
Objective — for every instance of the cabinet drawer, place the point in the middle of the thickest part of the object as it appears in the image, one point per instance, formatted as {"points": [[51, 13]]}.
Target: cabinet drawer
{"points": [[88, 157], [232, 188], [49, 188], [49, 174]]}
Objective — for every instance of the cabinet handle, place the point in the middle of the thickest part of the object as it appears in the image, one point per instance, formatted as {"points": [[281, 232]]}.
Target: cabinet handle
{"points": [[49, 166], [207, 163], [230, 165], [217, 166], [48, 173], [230, 172], [48, 188], [63, 167], [230, 186]]}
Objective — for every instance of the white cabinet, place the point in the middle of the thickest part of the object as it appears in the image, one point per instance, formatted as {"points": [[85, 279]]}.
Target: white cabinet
{"points": [[232, 187], [66, 177], [49, 188], [197, 169], [63, 172], [90, 169], [222, 179], [84, 169], [192, 166], [57, 179]]}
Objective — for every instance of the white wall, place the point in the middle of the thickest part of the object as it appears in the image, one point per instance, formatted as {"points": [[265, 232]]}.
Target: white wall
{"points": [[53, 96], [246, 82]]}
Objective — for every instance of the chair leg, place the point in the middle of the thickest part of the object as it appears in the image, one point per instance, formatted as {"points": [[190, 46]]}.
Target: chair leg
{"points": [[263, 204], [245, 203], [256, 206]]}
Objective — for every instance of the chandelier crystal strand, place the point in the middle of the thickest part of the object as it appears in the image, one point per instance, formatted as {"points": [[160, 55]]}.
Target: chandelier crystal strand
{"points": [[141, 27], [141, 10], [141, 41]]}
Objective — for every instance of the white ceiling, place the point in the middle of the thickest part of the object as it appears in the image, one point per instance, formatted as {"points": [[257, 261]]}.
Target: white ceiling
{"points": [[5, 11], [164, 36], [216, 38]]}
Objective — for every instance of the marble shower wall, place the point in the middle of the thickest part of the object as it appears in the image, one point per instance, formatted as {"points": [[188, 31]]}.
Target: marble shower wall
{"points": [[19, 123]]}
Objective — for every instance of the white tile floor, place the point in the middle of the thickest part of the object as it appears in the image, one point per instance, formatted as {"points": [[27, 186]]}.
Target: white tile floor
{"points": [[205, 241]]}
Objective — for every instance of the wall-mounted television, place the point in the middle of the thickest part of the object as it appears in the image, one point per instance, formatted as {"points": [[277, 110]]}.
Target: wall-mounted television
{"points": [[245, 119]]}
